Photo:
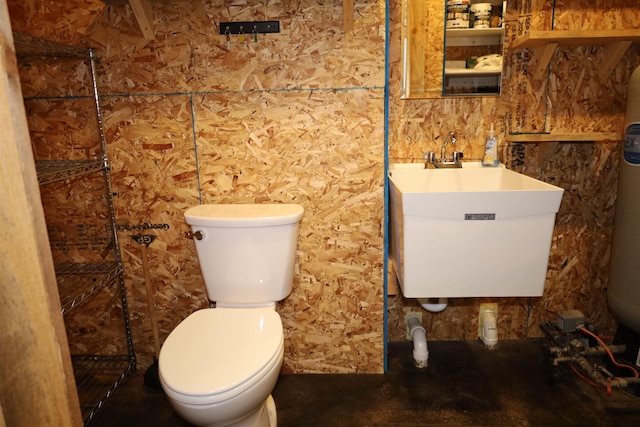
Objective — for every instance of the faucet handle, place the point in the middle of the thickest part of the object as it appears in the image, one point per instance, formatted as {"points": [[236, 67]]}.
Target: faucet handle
{"points": [[457, 156], [430, 157]]}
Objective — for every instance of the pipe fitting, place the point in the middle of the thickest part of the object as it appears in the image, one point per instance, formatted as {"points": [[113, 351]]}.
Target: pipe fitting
{"points": [[489, 328], [419, 337], [434, 305]]}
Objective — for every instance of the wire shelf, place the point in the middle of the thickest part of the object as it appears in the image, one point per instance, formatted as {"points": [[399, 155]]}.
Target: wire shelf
{"points": [[77, 282], [28, 46], [59, 170], [97, 377]]}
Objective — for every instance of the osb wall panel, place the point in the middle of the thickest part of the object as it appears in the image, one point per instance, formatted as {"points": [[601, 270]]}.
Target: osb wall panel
{"points": [[526, 99], [573, 100], [564, 102], [64, 21], [320, 148], [593, 15], [63, 129], [574, 80], [78, 220], [154, 180], [580, 254], [77, 211], [36, 77], [189, 54], [295, 117], [261, 147]]}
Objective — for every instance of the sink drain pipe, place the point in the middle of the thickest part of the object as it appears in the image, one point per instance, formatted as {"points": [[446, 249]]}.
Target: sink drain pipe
{"points": [[419, 337], [489, 328], [434, 305]]}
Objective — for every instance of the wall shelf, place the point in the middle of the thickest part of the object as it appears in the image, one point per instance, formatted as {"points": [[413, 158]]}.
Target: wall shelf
{"points": [[59, 170], [544, 44], [97, 377], [550, 141], [78, 282], [474, 36], [564, 137]]}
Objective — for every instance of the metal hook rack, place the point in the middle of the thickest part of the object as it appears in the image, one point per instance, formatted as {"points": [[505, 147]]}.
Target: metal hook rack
{"points": [[250, 27]]}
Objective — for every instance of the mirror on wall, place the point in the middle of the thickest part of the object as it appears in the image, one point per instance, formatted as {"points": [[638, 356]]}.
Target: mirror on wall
{"points": [[452, 48]]}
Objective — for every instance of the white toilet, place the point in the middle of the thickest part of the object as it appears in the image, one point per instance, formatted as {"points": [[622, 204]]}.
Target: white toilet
{"points": [[219, 365]]}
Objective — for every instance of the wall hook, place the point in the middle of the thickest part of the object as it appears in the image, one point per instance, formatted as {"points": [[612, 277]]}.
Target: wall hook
{"points": [[257, 27]]}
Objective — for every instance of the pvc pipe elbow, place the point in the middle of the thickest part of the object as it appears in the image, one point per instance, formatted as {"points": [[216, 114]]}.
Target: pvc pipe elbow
{"points": [[419, 336]]}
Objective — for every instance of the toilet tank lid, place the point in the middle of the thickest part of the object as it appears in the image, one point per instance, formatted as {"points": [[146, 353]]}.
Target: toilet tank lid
{"points": [[243, 215]]}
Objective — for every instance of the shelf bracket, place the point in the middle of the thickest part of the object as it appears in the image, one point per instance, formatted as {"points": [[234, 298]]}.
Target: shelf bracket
{"points": [[611, 55], [545, 151], [540, 59]]}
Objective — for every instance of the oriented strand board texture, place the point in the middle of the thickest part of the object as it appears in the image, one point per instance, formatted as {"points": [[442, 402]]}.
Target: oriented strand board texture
{"points": [[63, 21], [154, 181], [572, 100], [286, 152], [298, 117], [564, 102], [294, 117]]}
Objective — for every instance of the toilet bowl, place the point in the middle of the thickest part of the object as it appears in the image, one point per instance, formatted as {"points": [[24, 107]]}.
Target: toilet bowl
{"points": [[218, 366]]}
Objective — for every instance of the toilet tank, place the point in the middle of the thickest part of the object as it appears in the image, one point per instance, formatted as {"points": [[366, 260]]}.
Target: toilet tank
{"points": [[246, 251]]}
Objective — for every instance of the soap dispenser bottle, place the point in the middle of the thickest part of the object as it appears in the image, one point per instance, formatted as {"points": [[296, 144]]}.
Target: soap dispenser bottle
{"points": [[491, 150]]}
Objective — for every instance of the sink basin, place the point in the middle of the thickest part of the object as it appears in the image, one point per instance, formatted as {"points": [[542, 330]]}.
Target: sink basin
{"points": [[471, 231]]}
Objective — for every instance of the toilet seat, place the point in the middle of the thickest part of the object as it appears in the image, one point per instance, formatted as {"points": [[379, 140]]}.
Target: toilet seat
{"points": [[215, 354]]}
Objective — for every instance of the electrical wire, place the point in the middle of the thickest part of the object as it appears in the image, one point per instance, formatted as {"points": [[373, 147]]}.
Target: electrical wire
{"points": [[588, 380], [606, 348]]}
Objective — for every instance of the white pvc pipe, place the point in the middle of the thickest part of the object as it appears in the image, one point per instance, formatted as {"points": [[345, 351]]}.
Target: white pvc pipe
{"points": [[419, 336], [489, 328], [434, 305]]}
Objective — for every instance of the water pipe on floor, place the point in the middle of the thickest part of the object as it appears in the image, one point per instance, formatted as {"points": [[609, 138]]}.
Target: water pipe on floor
{"points": [[419, 337]]}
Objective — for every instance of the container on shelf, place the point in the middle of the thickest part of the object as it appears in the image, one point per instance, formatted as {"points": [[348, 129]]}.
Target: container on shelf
{"points": [[481, 13], [458, 13]]}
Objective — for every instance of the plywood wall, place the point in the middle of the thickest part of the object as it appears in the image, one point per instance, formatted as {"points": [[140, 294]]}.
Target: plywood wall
{"points": [[573, 99], [298, 117], [294, 117]]}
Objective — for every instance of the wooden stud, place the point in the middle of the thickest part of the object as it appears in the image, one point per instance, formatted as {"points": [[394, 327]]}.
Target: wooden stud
{"points": [[347, 15], [143, 11], [33, 347]]}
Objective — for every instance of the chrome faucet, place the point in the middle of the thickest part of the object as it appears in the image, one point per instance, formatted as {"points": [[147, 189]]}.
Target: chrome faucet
{"points": [[443, 151], [443, 162]]}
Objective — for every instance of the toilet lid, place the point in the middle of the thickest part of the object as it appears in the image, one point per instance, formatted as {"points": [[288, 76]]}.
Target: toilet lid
{"points": [[214, 350]]}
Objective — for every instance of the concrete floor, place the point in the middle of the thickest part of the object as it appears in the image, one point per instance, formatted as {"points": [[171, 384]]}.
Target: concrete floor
{"points": [[465, 385]]}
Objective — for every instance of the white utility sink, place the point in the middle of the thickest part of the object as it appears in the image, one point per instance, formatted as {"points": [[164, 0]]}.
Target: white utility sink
{"points": [[470, 232]]}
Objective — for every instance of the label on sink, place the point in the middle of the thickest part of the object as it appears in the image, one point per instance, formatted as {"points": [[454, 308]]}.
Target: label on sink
{"points": [[479, 217], [631, 148]]}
